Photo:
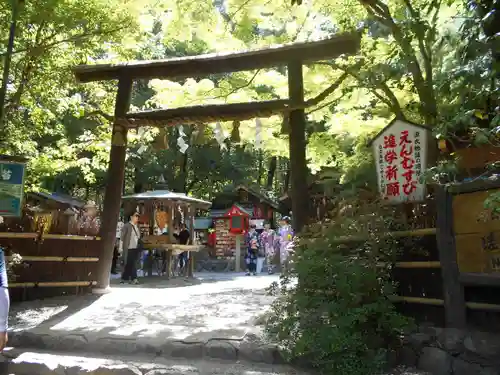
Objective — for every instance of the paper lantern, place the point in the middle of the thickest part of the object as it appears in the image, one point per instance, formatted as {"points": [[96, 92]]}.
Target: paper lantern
{"points": [[235, 133], [198, 136], [161, 140]]}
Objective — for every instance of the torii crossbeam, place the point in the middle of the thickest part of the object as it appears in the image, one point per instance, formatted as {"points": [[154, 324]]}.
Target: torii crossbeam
{"points": [[292, 55]]}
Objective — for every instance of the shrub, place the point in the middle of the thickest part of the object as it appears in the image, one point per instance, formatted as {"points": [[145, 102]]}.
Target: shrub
{"points": [[12, 265], [333, 309]]}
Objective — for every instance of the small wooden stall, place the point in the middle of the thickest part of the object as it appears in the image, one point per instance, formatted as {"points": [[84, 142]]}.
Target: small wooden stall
{"points": [[161, 211], [234, 209], [202, 229], [322, 189], [58, 211], [229, 230], [43, 259], [250, 198]]}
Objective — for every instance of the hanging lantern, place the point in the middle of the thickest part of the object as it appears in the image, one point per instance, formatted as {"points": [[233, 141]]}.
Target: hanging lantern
{"points": [[235, 133], [198, 136], [161, 140], [285, 124]]}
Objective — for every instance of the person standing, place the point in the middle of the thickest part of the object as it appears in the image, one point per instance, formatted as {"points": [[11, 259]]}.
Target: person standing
{"points": [[183, 238], [130, 237], [267, 240], [285, 240], [253, 247], [4, 302]]}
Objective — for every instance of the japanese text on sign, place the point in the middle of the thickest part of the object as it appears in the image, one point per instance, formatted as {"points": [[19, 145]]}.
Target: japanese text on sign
{"points": [[11, 188], [400, 158]]}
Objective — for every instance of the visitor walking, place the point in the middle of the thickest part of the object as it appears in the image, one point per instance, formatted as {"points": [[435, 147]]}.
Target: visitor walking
{"points": [[267, 240], [285, 240], [131, 238], [4, 301], [253, 247]]}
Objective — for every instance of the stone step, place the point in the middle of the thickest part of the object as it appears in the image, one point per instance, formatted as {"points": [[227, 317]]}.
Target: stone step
{"points": [[249, 348], [24, 362]]}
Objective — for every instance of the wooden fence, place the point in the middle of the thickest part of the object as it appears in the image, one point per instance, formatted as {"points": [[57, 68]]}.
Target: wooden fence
{"points": [[450, 274], [52, 264]]}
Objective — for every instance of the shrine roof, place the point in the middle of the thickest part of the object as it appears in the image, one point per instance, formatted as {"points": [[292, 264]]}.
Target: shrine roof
{"points": [[166, 195], [219, 213], [58, 198]]}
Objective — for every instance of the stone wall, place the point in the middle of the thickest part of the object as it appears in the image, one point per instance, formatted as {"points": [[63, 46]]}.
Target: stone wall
{"points": [[449, 351]]}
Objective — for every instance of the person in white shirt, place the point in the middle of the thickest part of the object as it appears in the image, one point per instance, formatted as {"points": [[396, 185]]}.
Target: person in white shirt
{"points": [[130, 237]]}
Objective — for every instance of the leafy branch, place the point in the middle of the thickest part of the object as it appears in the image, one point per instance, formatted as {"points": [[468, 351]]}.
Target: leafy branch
{"points": [[46, 44], [381, 13], [374, 85]]}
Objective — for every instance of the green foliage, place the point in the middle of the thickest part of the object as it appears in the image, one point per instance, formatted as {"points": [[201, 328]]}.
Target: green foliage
{"points": [[333, 309], [45, 110], [428, 61]]}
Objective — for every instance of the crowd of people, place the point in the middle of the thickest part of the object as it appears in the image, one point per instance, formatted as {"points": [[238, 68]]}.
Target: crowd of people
{"points": [[273, 245]]}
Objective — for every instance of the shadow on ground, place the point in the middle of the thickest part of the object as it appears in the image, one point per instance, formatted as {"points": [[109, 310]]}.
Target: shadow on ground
{"points": [[210, 307]]}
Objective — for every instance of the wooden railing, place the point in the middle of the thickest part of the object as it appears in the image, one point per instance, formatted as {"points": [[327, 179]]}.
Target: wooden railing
{"points": [[52, 264]]}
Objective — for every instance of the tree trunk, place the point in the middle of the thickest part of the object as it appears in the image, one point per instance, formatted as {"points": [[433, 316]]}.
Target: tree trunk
{"points": [[286, 183], [137, 182], [183, 172], [271, 172]]}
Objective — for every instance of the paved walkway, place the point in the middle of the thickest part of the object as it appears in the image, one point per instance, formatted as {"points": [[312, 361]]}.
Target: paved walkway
{"points": [[215, 318], [202, 326]]}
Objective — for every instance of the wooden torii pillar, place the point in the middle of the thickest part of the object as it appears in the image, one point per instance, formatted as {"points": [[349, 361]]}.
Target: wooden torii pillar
{"points": [[291, 55]]}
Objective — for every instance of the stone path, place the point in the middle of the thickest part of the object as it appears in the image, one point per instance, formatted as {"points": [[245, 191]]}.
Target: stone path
{"points": [[212, 319], [42, 363], [204, 326]]}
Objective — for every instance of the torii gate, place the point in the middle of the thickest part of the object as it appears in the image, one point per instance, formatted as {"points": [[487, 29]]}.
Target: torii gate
{"points": [[292, 55]]}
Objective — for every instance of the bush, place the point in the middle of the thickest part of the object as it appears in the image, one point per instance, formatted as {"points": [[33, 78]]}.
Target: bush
{"points": [[333, 308]]}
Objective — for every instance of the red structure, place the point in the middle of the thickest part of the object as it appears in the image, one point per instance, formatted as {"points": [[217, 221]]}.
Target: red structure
{"points": [[238, 220]]}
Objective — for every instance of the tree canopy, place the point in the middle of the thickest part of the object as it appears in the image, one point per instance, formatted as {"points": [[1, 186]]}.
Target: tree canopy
{"points": [[434, 62]]}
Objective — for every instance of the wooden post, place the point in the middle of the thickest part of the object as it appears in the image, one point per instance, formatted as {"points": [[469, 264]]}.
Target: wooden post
{"points": [[238, 253], [170, 209], [453, 291], [297, 142], [193, 237], [113, 192], [152, 220]]}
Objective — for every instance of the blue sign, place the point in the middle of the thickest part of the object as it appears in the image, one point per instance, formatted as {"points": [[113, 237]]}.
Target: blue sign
{"points": [[11, 188]]}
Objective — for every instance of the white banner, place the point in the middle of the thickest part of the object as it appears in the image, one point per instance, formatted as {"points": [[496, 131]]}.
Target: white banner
{"points": [[401, 157]]}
